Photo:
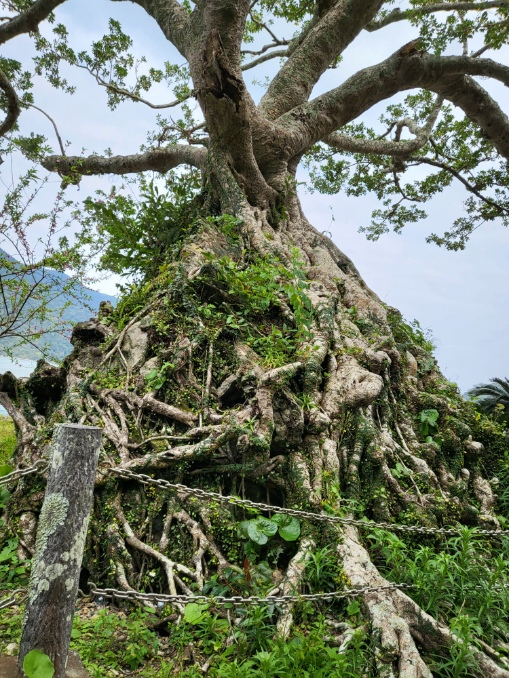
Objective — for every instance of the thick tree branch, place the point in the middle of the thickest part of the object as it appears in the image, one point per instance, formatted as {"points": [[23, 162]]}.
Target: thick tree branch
{"points": [[446, 76], [158, 160], [336, 29], [13, 107], [344, 142], [28, 21], [402, 14]]}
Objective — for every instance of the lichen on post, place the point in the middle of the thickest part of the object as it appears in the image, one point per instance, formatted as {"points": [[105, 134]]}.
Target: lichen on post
{"points": [[60, 542]]}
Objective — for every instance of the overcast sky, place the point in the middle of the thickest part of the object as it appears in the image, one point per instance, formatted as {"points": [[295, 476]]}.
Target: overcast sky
{"points": [[462, 297]]}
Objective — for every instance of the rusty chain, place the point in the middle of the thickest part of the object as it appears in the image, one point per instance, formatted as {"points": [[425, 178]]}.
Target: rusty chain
{"points": [[126, 474], [38, 467], [12, 598], [237, 601]]}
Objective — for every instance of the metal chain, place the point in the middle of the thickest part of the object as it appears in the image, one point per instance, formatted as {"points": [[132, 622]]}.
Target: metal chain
{"points": [[39, 467], [11, 600], [126, 474], [236, 601]]}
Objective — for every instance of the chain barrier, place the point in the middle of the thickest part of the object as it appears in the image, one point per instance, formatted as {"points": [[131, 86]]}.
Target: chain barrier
{"points": [[126, 474], [12, 598], [39, 467], [238, 601]]}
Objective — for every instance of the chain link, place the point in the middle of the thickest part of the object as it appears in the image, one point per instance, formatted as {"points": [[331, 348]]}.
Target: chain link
{"points": [[126, 474], [237, 601], [39, 466], [11, 599]]}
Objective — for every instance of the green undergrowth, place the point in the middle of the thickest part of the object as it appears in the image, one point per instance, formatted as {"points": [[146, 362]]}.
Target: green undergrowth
{"points": [[462, 582], [124, 642], [232, 300], [7, 439]]}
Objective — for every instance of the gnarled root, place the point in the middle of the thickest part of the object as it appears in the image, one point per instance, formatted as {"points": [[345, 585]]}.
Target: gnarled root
{"points": [[291, 582], [399, 622]]}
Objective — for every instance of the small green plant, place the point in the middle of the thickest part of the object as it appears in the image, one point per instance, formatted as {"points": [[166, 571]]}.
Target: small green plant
{"points": [[260, 529], [428, 426], [13, 572], [306, 401], [461, 661], [155, 379], [322, 570], [36, 664], [409, 334]]}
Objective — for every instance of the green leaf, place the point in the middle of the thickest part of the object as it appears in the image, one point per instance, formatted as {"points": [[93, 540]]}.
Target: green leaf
{"points": [[36, 664], [8, 551], [429, 417], [288, 527], [353, 608], [5, 469], [260, 529], [193, 612]]}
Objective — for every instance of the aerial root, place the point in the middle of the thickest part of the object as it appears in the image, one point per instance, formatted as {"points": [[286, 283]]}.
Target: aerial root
{"points": [[169, 566]]}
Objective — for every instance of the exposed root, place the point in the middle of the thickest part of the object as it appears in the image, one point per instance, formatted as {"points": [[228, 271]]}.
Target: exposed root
{"points": [[169, 566], [291, 583], [400, 622], [337, 418]]}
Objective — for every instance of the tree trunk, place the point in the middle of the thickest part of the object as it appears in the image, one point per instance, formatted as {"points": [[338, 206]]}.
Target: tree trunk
{"points": [[262, 365]]}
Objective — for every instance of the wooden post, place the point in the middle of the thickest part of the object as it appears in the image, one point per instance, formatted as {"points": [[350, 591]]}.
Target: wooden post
{"points": [[61, 536]]}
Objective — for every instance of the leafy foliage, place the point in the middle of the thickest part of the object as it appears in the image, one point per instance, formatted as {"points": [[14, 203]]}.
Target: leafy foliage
{"points": [[492, 398], [36, 664], [7, 439], [135, 235], [260, 529], [457, 151], [465, 578]]}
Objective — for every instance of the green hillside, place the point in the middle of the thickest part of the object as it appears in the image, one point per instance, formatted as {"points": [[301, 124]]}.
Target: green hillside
{"points": [[63, 311]]}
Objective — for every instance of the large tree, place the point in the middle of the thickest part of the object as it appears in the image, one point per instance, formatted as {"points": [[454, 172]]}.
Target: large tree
{"points": [[252, 359]]}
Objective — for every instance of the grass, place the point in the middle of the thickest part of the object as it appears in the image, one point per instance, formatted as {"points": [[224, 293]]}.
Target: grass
{"points": [[7, 439]]}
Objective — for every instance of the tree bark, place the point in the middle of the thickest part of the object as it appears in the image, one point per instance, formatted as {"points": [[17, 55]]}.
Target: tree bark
{"points": [[61, 536]]}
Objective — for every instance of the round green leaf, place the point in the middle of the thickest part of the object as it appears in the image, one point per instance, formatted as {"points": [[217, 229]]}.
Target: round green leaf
{"points": [[36, 664], [193, 612], [288, 527], [260, 529]]}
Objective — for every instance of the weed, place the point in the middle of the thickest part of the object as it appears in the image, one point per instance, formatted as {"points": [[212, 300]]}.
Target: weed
{"points": [[113, 641], [322, 570], [465, 578]]}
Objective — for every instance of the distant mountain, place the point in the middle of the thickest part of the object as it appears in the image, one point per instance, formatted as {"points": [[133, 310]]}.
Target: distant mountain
{"points": [[82, 304]]}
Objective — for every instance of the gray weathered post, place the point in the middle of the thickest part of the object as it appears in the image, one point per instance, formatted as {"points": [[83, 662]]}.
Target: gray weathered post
{"points": [[60, 542]]}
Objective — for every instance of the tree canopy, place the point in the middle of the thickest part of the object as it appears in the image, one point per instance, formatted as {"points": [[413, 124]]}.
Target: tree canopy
{"points": [[445, 127]]}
